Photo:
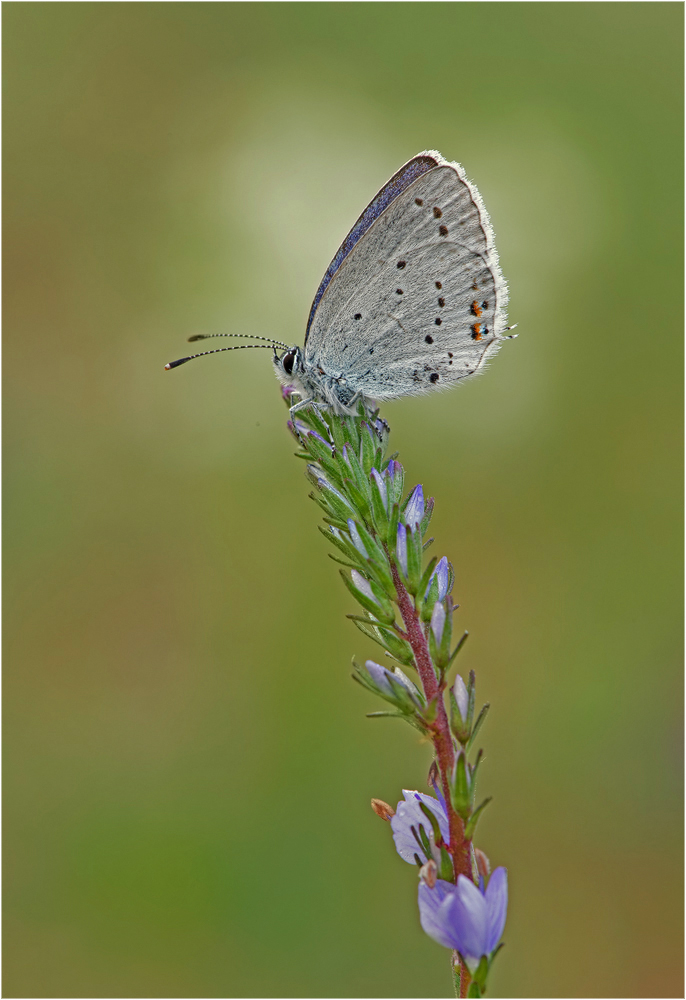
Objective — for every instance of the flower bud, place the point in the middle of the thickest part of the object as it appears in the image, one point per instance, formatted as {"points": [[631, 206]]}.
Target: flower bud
{"points": [[381, 485], [428, 873], [442, 576], [363, 586], [461, 697], [383, 679], [383, 810], [414, 510], [438, 622], [482, 863], [401, 548], [356, 539]]}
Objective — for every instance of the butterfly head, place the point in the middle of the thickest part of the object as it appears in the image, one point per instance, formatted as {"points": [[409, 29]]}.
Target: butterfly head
{"points": [[289, 366]]}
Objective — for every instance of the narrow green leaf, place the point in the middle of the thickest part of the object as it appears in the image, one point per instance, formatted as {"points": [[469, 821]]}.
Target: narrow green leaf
{"points": [[474, 819], [478, 724]]}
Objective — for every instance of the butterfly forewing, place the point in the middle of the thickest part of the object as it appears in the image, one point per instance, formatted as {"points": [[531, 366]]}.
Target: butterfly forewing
{"points": [[419, 302]]}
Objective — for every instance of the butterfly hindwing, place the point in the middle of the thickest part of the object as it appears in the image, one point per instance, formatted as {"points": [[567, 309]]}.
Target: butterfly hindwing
{"points": [[418, 302]]}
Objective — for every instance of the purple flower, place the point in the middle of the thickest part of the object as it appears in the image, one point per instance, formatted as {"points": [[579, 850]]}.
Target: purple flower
{"points": [[461, 696], [356, 539], [380, 675], [442, 575], [438, 622], [408, 815], [414, 512], [401, 548], [464, 916]]}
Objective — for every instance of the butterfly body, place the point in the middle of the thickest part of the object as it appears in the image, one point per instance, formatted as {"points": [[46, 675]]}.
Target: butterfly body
{"points": [[414, 299]]}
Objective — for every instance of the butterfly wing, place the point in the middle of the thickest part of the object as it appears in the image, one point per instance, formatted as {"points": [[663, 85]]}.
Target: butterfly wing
{"points": [[417, 300]]}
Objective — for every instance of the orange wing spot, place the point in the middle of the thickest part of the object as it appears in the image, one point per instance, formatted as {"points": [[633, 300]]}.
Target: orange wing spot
{"points": [[476, 331], [476, 308], [475, 287]]}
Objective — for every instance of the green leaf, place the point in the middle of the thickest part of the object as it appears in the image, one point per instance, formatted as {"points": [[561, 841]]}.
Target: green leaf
{"points": [[414, 561], [472, 781], [478, 724], [424, 582], [367, 447], [471, 691], [357, 473], [446, 871], [458, 648], [460, 788], [428, 511], [358, 499], [474, 819], [379, 511]]}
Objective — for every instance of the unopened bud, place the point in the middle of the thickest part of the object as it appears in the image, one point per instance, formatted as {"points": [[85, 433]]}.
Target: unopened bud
{"points": [[429, 873], [433, 774], [482, 863], [383, 810], [461, 697]]}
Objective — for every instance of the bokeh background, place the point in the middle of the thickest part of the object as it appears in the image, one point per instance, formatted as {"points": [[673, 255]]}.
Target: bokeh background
{"points": [[188, 766]]}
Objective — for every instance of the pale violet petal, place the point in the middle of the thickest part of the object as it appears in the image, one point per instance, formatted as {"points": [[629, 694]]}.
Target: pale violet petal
{"points": [[434, 907], [468, 920], [496, 907]]}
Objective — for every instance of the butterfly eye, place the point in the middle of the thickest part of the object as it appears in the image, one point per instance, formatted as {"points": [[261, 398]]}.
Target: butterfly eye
{"points": [[287, 362]]}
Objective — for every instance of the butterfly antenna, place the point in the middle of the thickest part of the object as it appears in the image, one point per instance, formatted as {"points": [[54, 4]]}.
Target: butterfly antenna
{"points": [[247, 336], [217, 350]]}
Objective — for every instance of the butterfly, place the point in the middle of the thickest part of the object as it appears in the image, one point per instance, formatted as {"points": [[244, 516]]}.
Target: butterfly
{"points": [[413, 301]]}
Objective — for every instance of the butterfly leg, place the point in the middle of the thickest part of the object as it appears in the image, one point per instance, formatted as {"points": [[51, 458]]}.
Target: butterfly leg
{"points": [[302, 404]]}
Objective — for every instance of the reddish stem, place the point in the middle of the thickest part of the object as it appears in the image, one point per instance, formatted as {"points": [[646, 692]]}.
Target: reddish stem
{"points": [[442, 738]]}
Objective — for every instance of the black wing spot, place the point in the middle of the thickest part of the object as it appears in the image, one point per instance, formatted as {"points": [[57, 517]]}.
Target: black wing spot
{"points": [[441, 302], [433, 377], [371, 350], [443, 230], [437, 212], [438, 321], [439, 285], [429, 339], [398, 291], [401, 264], [357, 316], [450, 354], [419, 201], [485, 305]]}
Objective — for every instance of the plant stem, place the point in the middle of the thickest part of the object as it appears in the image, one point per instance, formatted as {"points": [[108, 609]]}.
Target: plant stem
{"points": [[442, 737], [461, 976]]}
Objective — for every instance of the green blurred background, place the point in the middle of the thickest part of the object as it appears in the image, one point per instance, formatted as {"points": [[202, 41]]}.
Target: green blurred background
{"points": [[188, 766]]}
